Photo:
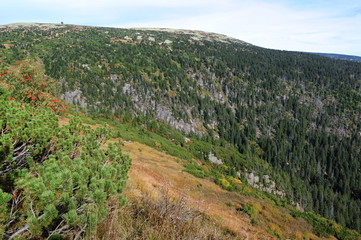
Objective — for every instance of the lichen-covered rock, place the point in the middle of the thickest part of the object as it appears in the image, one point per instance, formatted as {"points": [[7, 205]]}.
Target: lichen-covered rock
{"points": [[214, 159]]}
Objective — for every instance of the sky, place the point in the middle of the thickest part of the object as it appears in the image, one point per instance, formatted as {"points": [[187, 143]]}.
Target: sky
{"points": [[330, 26]]}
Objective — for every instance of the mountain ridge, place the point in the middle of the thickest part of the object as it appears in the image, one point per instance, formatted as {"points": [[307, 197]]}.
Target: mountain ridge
{"points": [[346, 57], [288, 115], [186, 31]]}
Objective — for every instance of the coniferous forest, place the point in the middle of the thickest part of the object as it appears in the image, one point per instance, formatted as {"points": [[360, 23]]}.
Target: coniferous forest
{"points": [[300, 113]]}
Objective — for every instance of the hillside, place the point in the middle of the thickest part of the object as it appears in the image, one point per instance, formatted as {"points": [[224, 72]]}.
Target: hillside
{"points": [[341, 56], [285, 122], [158, 181]]}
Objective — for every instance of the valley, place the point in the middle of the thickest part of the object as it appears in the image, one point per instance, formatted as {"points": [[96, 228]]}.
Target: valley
{"points": [[206, 118]]}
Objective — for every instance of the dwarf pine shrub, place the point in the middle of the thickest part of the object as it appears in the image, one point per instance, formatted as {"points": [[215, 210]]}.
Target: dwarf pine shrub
{"points": [[53, 180]]}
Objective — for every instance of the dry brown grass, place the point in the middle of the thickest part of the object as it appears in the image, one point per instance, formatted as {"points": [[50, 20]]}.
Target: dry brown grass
{"points": [[196, 208], [153, 170], [161, 219]]}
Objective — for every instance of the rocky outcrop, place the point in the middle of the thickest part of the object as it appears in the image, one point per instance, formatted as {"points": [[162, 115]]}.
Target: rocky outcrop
{"points": [[214, 159], [164, 113], [74, 97], [264, 184]]}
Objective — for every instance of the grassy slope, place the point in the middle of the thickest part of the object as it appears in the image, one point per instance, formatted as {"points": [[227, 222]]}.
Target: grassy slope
{"points": [[157, 175], [154, 172]]}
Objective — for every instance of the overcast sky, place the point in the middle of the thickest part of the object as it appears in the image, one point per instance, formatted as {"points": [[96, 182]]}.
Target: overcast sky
{"points": [[332, 26]]}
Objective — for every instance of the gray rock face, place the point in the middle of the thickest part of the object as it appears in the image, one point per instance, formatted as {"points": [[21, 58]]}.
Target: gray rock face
{"points": [[145, 103], [214, 159], [164, 113], [74, 97], [266, 185], [127, 88]]}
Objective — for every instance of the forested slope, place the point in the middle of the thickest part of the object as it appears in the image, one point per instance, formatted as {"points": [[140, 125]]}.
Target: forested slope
{"points": [[299, 112]]}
